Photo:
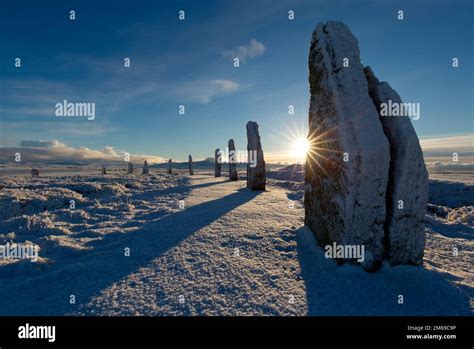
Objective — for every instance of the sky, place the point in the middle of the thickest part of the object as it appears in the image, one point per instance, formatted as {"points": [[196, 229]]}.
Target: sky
{"points": [[190, 62]]}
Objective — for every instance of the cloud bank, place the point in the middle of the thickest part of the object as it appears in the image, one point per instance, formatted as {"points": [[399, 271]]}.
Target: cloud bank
{"points": [[55, 152]]}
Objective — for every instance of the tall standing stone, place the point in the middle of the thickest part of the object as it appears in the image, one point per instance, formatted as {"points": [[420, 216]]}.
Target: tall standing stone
{"points": [[169, 171], [407, 190], [256, 175], [145, 169], [130, 167], [190, 161], [232, 161], [217, 163], [104, 171], [348, 163]]}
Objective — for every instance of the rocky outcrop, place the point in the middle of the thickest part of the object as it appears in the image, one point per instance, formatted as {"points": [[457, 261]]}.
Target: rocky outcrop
{"points": [[353, 175], [145, 169], [169, 169], [407, 189], [190, 161], [217, 163], [256, 175], [233, 176], [130, 168]]}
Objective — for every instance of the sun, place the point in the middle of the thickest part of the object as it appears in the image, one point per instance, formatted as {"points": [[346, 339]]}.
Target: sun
{"points": [[300, 147]]}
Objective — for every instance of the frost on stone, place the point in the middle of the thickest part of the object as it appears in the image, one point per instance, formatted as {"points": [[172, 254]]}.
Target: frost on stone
{"points": [[407, 182], [360, 165]]}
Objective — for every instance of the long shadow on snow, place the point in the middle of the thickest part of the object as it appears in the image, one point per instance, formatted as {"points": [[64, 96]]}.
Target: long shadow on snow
{"points": [[348, 290], [93, 271]]}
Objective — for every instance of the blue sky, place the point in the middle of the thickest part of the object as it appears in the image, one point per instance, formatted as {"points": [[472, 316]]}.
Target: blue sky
{"points": [[190, 63]]}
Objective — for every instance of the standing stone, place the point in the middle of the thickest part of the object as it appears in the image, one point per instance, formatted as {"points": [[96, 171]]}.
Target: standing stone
{"points": [[348, 163], [232, 161], [104, 171], [34, 172], [190, 160], [168, 171], [217, 163], [256, 175], [130, 167], [407, 190], [145, 169]]}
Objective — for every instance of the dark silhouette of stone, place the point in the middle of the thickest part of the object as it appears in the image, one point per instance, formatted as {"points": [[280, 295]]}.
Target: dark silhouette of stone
{"points": [[233, 176], [407, 190], [190, 160], [145, 169], [256, 175], [217, 163]]}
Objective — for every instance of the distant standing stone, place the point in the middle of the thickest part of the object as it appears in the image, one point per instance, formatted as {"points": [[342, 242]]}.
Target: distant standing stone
{"points": [[256, 175], [191, 170], [233, 176], [217, 163], [169, 171], [145, 169], [130, 167], [34, 172], [104, 171]]}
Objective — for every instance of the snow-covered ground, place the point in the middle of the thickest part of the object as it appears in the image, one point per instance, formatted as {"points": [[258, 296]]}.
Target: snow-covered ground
{"points": [[229, 251]]}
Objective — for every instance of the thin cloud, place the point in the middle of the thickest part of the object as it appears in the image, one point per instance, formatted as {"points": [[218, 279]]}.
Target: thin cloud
{"points": [[54, 143], [246, 52], [446, 146], [206, 91]]}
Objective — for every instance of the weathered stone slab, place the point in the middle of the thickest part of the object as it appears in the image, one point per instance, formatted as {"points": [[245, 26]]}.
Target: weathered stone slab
{"points": [[348, 164], [233, 176], [190, 161], [256, 174], [217, 163], [407, 190], [145, 169]]}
